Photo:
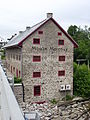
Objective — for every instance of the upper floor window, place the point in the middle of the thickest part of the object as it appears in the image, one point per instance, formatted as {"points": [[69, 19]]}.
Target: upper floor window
{"points": [[13, 56], [61, 58], [61, 73], [59, 34], [60, 42], [19, 73], [36, 58], [13, 69], [36, 41], [40, 32], [19, 57], [36, 74], [37, 90], [16, 57], [8, 56]]}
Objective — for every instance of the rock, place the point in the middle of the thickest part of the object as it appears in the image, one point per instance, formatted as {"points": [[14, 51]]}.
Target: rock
{"points": [[49, 115], [47, 118], [73, 116], [75, 105], [77, 98]]}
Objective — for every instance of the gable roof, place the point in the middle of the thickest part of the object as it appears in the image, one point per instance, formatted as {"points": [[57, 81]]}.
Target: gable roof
{"points": [[19, 39]]}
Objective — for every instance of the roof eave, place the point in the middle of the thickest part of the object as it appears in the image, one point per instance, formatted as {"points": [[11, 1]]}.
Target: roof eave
{"points": [[75, 44], [20, 43], [12, 46]]}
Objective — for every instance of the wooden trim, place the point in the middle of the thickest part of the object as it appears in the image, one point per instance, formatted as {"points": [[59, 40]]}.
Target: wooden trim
{"points": [[34, 90]]}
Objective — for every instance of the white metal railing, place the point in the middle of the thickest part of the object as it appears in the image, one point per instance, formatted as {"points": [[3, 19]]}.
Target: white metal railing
{"points": [[9, 107]]}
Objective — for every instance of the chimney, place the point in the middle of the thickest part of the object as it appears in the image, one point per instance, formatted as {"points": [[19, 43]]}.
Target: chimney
{"points": [[28, 27], [49, 15], [20, 32]]}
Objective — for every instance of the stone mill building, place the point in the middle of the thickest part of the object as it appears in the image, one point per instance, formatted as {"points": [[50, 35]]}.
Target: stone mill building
{"points": [[42, 56]]}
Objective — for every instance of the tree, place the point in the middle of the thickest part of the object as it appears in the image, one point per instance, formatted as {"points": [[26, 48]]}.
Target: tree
{"points": [[81, 80], [82, 37]]}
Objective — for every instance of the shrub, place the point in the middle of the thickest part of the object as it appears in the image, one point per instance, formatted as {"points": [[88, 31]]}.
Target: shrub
{"points": [[53, 101], [17, 80], [3, 57], [81, 80], [68, 97]]}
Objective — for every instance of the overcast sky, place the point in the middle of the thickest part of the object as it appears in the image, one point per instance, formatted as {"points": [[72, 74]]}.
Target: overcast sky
{"points": [[15, 15]]}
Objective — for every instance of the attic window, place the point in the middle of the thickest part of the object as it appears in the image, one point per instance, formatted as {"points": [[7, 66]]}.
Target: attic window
{"points": [[36, 41], [59, 34], [60, 42], [61, 58], [36, 74], [40, 32], [61, 73], [36, 58]]}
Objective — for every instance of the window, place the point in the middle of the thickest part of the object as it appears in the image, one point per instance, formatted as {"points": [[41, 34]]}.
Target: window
{"points": [[13, 69], [40, 32], [61, 73], [61, 58], [13, 56], [36, 41], [36, 74], [8, 56], [19, 57], [37, 90], [16, 57], [19, 73], [60, 42], [36, 58], [59, 34], [16, 72]]}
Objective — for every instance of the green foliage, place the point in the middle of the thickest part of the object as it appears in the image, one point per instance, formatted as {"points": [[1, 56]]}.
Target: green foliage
{"points": [[82, 37], [81, 80], [2, 57], [1, 50], [68, 97], [2, 54], [53, 101], [17, 80]]}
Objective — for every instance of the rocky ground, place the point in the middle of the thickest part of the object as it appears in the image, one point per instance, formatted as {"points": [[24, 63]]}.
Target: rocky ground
{"points": [[72, 110]]}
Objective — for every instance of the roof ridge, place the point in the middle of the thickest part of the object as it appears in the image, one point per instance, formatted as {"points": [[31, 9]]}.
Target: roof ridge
{"points": [[20, 38], [38, 23]]}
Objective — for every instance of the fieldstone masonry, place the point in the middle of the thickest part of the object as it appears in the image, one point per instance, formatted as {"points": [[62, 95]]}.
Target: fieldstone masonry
{"points": [[49, 50], [49, 66], [18, 91]]}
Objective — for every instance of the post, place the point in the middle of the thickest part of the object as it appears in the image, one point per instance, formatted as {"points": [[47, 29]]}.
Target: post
{"points": [[88, 64]]}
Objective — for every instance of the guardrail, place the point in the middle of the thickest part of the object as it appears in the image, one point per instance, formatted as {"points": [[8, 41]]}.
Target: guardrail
{"points": [[9, 107]]}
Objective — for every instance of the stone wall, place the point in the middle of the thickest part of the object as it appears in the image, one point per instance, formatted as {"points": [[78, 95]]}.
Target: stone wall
{"points": [[18, 91], [49, 66], [11, 60]]}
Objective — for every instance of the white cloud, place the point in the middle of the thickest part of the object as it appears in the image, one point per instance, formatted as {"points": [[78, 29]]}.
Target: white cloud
{"points": [[16, 14]]}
